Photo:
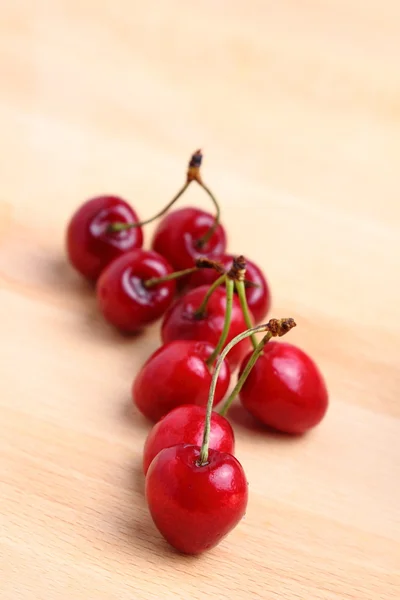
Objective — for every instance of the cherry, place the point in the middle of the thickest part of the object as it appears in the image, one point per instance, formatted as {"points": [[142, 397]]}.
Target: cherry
{"points": [[90, 244], [183, 322], [178, 237], [285, 390], [185, 425], [194, 504], [176, 374], [122, 294], [258, 296]]}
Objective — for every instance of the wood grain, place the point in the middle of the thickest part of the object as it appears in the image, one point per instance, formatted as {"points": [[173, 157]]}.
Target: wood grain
{"points": [[297, 107]]}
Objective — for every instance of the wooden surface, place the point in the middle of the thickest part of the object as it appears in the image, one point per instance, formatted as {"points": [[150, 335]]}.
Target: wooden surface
{"points": [[297, 107]]}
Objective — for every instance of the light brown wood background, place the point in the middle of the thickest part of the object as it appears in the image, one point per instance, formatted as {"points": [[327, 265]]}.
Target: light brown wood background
{"points": [[297, 108]]}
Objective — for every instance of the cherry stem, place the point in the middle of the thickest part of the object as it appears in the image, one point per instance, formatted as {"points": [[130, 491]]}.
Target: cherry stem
{"points": [[227, 323], [276, 328], [208, 234], [193, 174], [115, 227], [240, 382], [238, 272], [201, 311], [241, 291], [175, 275], [200, 263]]}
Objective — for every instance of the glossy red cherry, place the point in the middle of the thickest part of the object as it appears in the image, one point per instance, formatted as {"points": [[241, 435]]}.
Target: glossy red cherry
{"points": [[185, 425], [181, 321], [122, 296], [194, 507], [176, 374], [178, 234], [285, 389], [258, 298], [90, 246]]}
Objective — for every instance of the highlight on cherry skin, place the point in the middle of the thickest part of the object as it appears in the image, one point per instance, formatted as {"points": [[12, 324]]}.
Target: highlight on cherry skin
{"points": [[185, 425], [178, 237], [122, 295], [175, 374], [90, 244], [182, 322], [195, 505], [257, 293], [285, 389]]}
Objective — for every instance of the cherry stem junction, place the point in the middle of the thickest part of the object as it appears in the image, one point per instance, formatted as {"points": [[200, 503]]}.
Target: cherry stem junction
{"points": [[193, 174], [237, 273], [276, 328], [227, 323]]}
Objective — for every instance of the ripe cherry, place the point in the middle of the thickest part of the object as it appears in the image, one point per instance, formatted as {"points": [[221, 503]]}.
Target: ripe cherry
{"points": [[258, 296], [195, 505], [285, 389], [178, 237], [182, 321], [123, 297], [176, 374], [185, 425], [90, 246]]}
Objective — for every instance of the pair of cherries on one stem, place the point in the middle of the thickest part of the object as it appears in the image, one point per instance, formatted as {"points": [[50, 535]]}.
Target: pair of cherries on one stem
{"points": [[106, 227], [196, 489]]}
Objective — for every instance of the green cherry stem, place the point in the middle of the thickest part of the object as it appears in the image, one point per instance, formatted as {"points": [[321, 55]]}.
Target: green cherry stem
{"points": [[115, 227], [208, 234], [240, 382], [175, 275], [200, 312], [227, 323], [241, 291], [276, 328]]}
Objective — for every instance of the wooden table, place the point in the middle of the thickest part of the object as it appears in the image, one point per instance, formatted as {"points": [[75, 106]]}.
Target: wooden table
{"points": [[297, 108]]}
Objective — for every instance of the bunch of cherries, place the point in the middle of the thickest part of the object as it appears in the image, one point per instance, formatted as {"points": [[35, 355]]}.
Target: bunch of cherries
{"points": [[211, 302]]}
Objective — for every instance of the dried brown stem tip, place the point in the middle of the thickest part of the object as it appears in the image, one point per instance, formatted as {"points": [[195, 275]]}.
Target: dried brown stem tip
{"points": [[207, 263], [238, 269], [279, 327], [193, 172]]}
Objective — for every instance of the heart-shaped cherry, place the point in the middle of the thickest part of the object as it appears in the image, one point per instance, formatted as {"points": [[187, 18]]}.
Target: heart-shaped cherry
{"points": [[177, 373], [123, 296], [185, 425], [91, 246], [285, 389], [195, 505], [257, 290], [178, 237], [183, 321]]}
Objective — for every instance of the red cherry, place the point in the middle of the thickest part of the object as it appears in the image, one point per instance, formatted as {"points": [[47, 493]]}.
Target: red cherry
{"points": [[258, 298], [177, 235], [123, 299], [181, 322], [194, 507], [285, 389], [90, 247], [185, 425], [177, 374]]}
